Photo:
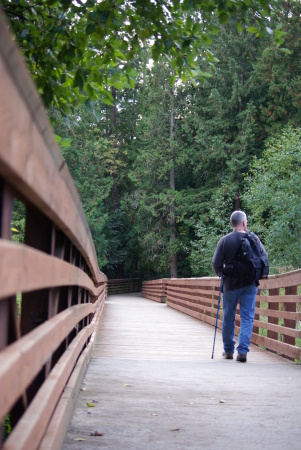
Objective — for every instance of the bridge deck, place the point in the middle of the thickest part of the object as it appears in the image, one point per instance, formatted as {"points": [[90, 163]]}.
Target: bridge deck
{"points": [[154, 386]]}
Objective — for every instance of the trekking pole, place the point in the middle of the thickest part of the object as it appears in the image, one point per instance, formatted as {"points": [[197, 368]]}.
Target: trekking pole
{"points": [[219, 300]]}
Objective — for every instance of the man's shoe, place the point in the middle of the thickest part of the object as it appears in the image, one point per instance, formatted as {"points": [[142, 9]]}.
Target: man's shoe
{"points": [[241, 358], [227, 355]]}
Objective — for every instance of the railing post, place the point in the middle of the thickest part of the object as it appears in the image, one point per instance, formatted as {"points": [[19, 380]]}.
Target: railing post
{"points": [[163, 290], [291, 307], [38, 232], [6, 208], [256, 317], [274, 320], [215, 305]]}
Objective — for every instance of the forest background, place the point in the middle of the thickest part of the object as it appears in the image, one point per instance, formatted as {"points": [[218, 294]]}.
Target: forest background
{"points": [[162, 153]]}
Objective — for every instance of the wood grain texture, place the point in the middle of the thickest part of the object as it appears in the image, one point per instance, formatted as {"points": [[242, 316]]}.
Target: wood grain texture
{"points": [[24, 269], [29, 157], [21, 361]]}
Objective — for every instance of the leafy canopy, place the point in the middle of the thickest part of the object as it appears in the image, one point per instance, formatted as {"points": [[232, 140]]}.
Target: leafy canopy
{"points": [[72, 45], [273, 196]]}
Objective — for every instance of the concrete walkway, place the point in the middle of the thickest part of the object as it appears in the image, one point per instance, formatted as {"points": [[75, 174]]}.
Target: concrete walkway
{"points": [[152, 385]]}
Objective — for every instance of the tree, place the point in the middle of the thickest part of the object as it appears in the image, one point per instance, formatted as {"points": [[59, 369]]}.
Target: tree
{"points": [[207, 234], [277, 77], [152, 201], [200, 137], [273, 198], [70, 46], [92, 160]]}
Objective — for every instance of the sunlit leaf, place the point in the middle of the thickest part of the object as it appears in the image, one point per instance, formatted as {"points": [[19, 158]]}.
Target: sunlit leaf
{"points": [[252, 30], [285, 50]]}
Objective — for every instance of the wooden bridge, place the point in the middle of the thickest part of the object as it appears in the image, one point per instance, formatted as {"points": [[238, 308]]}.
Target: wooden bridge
{"points": [[151, 382]]}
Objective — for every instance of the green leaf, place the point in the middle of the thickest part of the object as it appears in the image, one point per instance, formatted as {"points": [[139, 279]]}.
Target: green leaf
{"points": [[285, 50], [67, 121], [179, 62], [120, 55], [89, 90], [168, 44], [63, 142], [144, 34], [132, 82], [96, 115], [90, 28], [89, 105], [108, 99], [66, 142], [252, 30], [239, 27], [223, 18], [213, 30], [204, 74], [78, 79], [103, 17], [156, 51]]}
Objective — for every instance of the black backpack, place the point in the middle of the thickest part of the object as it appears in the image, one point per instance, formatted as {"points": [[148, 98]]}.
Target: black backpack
{"points": [[251, 262]]}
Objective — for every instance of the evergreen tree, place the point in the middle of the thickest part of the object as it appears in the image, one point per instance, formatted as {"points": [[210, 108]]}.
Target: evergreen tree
{"points": [[277, 78]]}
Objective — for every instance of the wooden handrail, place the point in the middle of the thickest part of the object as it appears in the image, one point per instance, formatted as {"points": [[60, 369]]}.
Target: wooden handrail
{"points": [[277, 325], [124, 285], [154, 290], [47, 338]]}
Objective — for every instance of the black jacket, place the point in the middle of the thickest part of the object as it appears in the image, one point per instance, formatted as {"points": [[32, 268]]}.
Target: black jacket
{"points": [[224, 255]]}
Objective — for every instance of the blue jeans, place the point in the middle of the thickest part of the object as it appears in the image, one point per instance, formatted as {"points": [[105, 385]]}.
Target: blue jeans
{"points": [[246, 297]]}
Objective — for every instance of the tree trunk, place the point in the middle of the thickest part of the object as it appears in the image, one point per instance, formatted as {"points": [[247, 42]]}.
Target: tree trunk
{"points": [[241, 106], [237, 202], [113, 112], [172, 185], [115, 196]]}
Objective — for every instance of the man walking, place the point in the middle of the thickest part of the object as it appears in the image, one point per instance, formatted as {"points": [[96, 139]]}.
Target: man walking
{"points": [[235, 290]]}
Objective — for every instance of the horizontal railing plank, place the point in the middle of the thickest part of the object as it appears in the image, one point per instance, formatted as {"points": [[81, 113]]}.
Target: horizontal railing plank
{"points": [[278, 314], [277, 346], [198, 297], [21, 361], [278, 298], [57, 268], [29, 157], [281, 280], [278, 328], [29, 432], [24, 269]]}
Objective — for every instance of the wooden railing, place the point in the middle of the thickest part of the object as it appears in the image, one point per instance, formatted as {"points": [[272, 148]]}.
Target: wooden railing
{"points": [[51, 291], [155, 290], [124, 286], [277, 325]]}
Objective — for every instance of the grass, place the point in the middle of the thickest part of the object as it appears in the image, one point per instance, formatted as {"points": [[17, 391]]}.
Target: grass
{"points": [[6, 427]]}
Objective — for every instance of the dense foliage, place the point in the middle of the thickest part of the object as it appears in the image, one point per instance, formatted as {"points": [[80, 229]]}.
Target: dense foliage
{"points": [[70, 46], [161, 163], [273, 197]]}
